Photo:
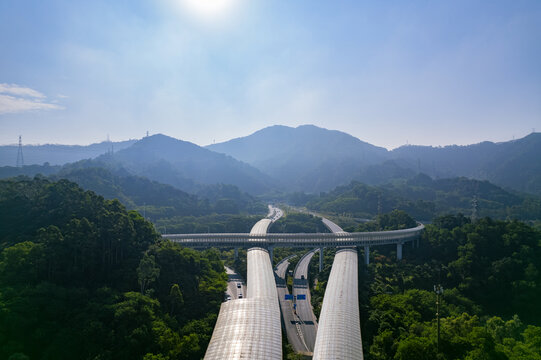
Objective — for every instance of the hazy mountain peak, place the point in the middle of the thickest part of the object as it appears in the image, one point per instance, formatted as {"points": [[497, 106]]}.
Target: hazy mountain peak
{"points": [[178, 162], [306, 158]]}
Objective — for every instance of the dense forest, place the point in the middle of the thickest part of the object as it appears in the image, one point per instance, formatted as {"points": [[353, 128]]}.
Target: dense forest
{"points": [[424, 198], [157, 200], [214, 208], [82, 278]]}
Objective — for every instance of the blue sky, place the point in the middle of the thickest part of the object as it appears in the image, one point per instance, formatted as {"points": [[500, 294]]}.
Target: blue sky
{"points": [[387, 72]]}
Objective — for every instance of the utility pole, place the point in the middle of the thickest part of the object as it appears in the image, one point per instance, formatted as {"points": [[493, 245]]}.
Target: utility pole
{"points": [[438, 289], [20, 158]]}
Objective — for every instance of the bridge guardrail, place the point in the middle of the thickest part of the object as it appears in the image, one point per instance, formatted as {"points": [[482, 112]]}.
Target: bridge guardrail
{"points": [[297, 239]]}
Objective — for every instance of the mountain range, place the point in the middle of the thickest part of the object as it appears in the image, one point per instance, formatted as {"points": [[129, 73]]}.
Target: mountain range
{"points": [[306, 158], [58, 154], [312, 159]]}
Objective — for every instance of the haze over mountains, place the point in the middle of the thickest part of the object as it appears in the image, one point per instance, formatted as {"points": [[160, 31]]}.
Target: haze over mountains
{"points": [[306, 158], [311, 159], [59, 154], [184, 165]]}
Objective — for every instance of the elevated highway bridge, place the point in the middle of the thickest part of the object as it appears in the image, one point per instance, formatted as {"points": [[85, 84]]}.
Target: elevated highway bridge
{"points": [[249, 328], [302, 240]]}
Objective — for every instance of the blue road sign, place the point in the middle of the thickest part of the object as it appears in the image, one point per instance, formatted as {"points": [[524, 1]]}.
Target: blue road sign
{"points": [[289, 297], [301, 297]]}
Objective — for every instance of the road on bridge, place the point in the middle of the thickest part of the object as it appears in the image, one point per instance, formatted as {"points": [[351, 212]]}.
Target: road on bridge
{"points": [[290, 320], [305, 312], [233, 281]]}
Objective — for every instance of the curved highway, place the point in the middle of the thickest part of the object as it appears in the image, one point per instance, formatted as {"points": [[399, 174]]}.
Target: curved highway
{"points": [[305, 313], [289, 319], [339, 332]]}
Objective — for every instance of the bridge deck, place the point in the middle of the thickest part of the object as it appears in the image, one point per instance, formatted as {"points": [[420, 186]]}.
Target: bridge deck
{"points": [[297, 240]]}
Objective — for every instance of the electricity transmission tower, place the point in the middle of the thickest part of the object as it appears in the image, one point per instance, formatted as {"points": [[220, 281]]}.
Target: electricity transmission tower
{"points": [[20, 158]]}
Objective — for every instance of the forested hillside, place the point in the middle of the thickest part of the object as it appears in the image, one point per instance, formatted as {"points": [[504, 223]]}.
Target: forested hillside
{"points": [[179, 163], [513, 164], [306, 158], [489, 309], [425, 198], [312, 159], [82, 278], [157, 200]]}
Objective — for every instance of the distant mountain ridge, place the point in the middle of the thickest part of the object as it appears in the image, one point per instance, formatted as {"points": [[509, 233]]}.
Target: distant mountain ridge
{"points": [[305, 158], [184, 165], [515, 164], [312, 159], [58, 154]]}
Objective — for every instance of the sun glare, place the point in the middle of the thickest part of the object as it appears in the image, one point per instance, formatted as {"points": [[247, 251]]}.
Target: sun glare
{"points": [[208, 8]]}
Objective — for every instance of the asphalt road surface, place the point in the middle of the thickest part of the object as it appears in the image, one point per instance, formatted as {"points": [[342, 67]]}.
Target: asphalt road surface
{"points": [[233, 279], [305, 313], [290, 320]]}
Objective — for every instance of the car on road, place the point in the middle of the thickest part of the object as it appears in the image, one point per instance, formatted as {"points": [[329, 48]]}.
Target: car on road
{"points": [[240, 296], [239, 285], [302, 277]]}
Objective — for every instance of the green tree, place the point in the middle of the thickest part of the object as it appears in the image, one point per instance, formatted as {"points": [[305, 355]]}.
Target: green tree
{"points": [[147, 272]]}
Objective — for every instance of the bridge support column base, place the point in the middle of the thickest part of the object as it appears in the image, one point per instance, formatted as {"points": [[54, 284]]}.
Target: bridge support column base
{"points": [[320, 259], [399, 251], [367, 255]]}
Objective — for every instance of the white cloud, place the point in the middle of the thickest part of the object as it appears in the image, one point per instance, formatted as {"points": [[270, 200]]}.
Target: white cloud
{"points": [[17, 90], [16, 99]]}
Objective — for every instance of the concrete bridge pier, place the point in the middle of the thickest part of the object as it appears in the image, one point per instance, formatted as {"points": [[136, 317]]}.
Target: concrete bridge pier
{"points": [[399, 251], [367, 255], [236, 253], [320, 259]]}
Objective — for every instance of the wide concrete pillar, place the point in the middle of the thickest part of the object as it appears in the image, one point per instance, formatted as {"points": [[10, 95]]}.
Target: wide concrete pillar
{"points": [[399, 251], [320, 259], [367, 255]]}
